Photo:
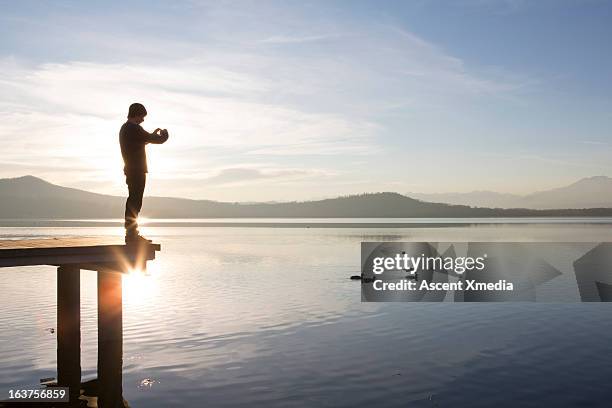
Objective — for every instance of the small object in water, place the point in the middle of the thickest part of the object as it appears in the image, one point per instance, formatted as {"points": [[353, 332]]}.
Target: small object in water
{"points": [[363, 279], [147, 383]]}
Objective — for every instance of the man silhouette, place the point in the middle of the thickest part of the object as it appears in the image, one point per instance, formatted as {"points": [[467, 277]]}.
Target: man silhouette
{"points": [[133, 138]]}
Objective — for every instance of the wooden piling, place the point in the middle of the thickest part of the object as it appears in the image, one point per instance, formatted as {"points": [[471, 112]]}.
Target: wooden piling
{"points": [[69, 329], [110, 340]]}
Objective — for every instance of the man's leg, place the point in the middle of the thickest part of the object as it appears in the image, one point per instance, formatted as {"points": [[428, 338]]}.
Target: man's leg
{"points": [[136, 185]]}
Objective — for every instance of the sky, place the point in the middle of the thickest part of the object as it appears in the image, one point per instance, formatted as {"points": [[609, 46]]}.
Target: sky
{"points": [[298, 100]]}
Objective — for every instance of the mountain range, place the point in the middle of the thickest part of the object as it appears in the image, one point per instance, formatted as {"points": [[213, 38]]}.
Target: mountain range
{"points": [[30, 197], [591, 192]]}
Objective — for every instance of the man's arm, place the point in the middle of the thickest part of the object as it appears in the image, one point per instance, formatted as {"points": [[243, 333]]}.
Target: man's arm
{"points": [[154, 137]]}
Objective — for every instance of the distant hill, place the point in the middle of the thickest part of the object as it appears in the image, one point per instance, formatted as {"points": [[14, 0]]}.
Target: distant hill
{"points": [[591, 192], [30, 197], [489, 199], [586, 193]]}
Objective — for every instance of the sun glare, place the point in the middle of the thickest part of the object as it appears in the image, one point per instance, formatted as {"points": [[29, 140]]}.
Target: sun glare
{"points": [[140, 286], [143, 220]]}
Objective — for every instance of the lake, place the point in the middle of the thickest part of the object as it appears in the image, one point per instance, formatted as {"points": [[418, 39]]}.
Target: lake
{"points": [[263, 314]]}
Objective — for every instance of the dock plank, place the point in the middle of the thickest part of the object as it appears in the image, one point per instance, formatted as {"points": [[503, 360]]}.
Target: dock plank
{"points": [[73, 250]]}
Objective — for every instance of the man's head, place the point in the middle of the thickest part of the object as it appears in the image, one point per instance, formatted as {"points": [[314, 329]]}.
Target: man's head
{"points": [[137, 113]]}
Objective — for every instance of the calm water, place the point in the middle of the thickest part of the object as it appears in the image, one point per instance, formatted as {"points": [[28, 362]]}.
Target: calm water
{"points": [[243, 316]]}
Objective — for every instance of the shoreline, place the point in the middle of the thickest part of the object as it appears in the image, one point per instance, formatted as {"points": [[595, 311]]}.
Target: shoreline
{"points": [[312, 222]]}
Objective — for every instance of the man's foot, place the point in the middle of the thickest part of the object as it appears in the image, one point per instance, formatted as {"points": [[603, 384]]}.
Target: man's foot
{"points": [[136, 239]]}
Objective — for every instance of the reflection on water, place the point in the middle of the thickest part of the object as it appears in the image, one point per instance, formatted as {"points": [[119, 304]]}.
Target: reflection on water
{"points": [[268, 317], [140, 287]]}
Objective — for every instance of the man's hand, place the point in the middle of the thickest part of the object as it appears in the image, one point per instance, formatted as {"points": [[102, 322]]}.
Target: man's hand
{"points": [[158, 136], [164, 134]]}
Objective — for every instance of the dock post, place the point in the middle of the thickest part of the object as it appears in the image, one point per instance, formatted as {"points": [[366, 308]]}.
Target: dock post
{"points": [[69, 329], [110, 340]]}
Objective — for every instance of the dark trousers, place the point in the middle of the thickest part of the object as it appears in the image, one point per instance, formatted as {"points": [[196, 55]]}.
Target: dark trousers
{"points": [[136, 185]]}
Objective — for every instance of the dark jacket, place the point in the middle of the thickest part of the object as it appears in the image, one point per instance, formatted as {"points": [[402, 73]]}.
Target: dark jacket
{"points": [[133, 138]]}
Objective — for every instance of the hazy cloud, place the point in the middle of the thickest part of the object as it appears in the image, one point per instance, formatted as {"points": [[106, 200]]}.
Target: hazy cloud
{"points": [[239, 175], [292, 39]]}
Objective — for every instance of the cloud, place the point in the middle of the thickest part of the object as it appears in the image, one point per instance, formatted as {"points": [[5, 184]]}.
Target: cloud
{"points": [[236, 176], [432, 71], [292, 39], [72, 112], [501, 6], [228, 107], [594, 142], [564, 160]]}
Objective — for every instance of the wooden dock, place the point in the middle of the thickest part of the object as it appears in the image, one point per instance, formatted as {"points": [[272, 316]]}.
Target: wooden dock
{"points": [[92, 253], [109, 257]]}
